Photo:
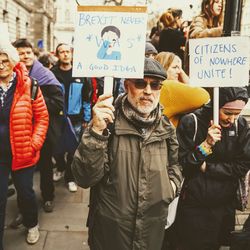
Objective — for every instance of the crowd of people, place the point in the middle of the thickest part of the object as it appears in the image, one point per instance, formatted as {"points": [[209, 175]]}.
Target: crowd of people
{"points": [[137, 148]]}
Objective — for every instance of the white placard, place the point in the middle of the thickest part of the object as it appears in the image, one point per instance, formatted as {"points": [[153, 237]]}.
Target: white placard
{"points": [[219, 61], [110, 41]]}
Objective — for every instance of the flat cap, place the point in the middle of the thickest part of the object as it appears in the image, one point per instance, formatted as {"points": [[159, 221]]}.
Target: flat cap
{"points": [[153, 68]]}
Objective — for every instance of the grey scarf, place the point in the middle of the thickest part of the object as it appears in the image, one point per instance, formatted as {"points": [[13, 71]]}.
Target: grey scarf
{"points": [[143, 125]]}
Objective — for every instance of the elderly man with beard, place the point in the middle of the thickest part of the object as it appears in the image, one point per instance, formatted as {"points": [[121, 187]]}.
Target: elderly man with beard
{"points": [[133, 172]]}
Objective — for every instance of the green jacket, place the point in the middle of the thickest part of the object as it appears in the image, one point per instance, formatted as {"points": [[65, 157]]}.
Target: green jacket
{"points": [[130, 185]]}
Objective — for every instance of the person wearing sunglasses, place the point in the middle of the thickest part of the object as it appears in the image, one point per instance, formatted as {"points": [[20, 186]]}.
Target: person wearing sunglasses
{"points": [[128, 158]]}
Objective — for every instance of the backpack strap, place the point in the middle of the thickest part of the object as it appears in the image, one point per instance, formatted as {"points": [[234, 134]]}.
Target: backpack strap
{"points": [[195, 126], [236, 127], [34, 89]]}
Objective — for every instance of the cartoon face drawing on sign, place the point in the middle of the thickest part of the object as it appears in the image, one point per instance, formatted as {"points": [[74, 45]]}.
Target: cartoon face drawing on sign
{"points": [[110, 44]]}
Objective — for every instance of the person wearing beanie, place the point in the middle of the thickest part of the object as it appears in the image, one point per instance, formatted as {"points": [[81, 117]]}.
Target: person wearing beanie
{"points": [[23, 128], [213, 157], [150, 50], [128, 156]]}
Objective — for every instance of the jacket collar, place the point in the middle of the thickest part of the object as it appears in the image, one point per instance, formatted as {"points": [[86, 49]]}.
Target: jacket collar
{"points": [[160, 132], [22, 77]]}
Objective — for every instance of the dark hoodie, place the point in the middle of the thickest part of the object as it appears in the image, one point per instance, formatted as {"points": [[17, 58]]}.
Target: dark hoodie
{"points": [[50, 87], [54, 98], [230, 158]]}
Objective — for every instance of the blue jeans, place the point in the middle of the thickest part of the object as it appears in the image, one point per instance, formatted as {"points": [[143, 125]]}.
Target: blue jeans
{"points": [[23, 182]]}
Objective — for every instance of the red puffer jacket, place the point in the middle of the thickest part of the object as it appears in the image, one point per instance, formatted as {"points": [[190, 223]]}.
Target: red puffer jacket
{"points": [[28, 122]]}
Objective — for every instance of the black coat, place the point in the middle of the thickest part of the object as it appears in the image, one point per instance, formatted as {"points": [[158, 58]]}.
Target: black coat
{"points": [[54, 100], [230, 158], [206, 210], [171, 40]]}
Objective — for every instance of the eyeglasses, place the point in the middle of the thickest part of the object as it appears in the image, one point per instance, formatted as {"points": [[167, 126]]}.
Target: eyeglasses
{"points": [[142, 84], [5, 62]]}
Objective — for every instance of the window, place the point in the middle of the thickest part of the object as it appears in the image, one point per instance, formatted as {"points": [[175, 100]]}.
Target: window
{"points": [[18, 28], [5, 16], [27, 29]]}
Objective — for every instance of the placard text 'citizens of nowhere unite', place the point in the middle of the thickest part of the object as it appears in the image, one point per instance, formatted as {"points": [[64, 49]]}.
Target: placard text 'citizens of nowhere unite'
{"points": [[219, 61]]}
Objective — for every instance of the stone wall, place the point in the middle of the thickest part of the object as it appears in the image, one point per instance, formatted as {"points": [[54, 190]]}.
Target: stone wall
{"points": [[33, 20], [18, 19]]}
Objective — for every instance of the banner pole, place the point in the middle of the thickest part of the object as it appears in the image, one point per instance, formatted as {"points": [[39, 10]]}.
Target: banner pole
{"points": [[108, 86], [216, 105]]}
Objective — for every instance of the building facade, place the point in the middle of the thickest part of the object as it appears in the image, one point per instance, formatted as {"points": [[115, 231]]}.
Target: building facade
{"points": [[245, 21], [33, 20], [65, 21]]}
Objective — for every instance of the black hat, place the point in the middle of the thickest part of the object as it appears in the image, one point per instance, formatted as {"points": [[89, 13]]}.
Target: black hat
{"points": [[153, 68], [229, 94]]}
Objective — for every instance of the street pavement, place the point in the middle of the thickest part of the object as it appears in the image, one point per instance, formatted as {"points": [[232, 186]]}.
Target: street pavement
{"points": [[63, 229]]}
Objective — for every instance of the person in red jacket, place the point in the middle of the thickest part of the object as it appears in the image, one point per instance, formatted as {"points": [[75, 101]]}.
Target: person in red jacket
{"points": [[23, 128]]}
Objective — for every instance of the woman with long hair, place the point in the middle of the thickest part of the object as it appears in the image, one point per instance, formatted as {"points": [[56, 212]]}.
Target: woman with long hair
{"points": [[173, 65], [209, 22]]}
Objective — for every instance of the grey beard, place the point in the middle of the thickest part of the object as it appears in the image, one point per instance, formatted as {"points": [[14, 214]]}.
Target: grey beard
{"points": [[136, 118], [141, 110]]}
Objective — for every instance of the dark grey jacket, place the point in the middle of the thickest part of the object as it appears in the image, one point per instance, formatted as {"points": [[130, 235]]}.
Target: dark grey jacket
{"points": [[130, 185]]}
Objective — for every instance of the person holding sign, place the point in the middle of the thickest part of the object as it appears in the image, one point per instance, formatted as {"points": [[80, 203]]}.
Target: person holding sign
{"points": [[128, 157], [213, 158]]}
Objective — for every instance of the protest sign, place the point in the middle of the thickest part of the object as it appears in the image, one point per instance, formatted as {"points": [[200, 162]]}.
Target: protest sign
{"points": [[110, 41], [219, 61]]}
